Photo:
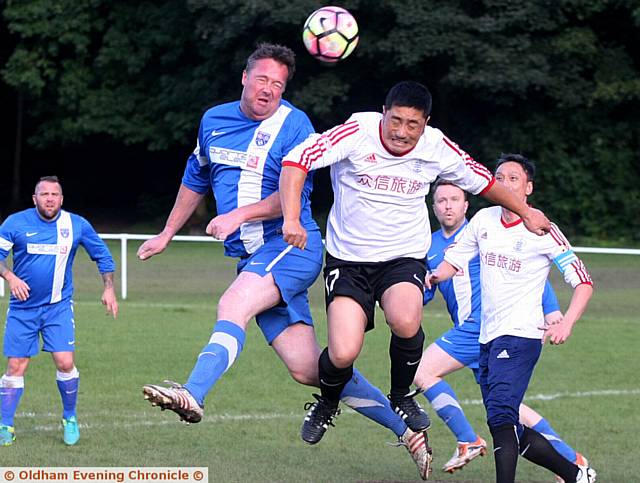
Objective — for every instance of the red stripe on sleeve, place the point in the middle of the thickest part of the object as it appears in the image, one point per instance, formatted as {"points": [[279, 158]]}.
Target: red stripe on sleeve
{"points": [[488, 187], [295, 165]]}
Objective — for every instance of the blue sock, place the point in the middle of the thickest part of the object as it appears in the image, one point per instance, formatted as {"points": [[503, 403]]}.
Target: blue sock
{"points": [[11, 389], [544, 428], [445, 403], [68, 383], [216, 357], [360, 395]]}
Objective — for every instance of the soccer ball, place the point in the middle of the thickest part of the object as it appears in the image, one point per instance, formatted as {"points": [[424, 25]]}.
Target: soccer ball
{"points": [[330, 34]]}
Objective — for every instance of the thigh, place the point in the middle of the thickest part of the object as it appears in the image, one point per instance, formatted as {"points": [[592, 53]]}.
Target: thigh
{"points": [[276, 320], [21, 333], [510, 362], [293, 270], [399, 288], [461, 345], [58, 327], [348, 280]]}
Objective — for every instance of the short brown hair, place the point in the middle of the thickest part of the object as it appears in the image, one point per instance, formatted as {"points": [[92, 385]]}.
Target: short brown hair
{"points": [[443, 182], [279, 53], [48, 179]]}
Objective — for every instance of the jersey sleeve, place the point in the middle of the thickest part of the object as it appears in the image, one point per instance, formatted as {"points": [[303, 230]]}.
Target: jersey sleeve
{"points": [[96, 248], [197, 172], [6, 238], [549, 299], [320, 150], [559, 250], [460, 252], [460, 168]]}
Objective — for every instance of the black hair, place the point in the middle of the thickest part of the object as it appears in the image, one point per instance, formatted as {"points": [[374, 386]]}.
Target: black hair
{"points": [[444, 182], [409, 94], [528, 166]]}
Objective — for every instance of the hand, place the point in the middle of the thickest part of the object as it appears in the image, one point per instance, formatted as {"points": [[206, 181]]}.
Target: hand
{"points": [[432, 279], [153, 246], [222, 226], [558, 332], [536, 222], [109, 301], [18, 287], [427, 280], [294, 234]]}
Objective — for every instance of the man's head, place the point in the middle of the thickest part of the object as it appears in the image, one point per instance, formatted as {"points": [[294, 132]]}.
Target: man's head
{"points": [[264, 80], [516, 173], [449, 205], [47, 197], [404, 116]]}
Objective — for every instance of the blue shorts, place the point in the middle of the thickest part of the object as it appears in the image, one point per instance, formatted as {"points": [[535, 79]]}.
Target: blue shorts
{"points": [[294, 271], [506, 367], [55, 323], [463, 346]]}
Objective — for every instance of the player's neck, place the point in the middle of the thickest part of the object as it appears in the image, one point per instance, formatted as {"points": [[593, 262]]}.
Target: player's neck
{"points": [[509, 216]]}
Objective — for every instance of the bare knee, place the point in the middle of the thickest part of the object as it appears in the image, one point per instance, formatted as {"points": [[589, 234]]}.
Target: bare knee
{"points": [[17, 366], [405, 326], [308, 377]]}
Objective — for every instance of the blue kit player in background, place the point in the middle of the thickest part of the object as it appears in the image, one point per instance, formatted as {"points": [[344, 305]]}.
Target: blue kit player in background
{"points": [[238, 155], [44, 241], [459, 346]]}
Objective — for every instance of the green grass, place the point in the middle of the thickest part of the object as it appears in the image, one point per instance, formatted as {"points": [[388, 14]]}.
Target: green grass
{"points": [[251, 427]]}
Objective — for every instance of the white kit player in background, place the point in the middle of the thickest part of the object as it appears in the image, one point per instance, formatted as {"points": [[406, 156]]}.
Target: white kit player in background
{"points": [[514, 266], [44, 241], [378, 235], [238, 155]]}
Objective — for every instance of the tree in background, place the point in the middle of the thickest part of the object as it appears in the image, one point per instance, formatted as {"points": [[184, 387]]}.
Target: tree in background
{"points": [[556, 80]]}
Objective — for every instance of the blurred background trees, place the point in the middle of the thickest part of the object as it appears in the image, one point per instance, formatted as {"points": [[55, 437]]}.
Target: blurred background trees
{"points": [[108, 94]]}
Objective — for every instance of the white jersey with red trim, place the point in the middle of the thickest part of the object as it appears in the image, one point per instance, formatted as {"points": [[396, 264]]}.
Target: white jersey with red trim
{"points": [[514, 265], [379, 211]]}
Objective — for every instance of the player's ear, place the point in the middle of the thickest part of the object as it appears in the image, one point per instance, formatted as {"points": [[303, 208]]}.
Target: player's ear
{"points": [[529, 189], [244, 77], [33, 197], [426, 121], [466, 207]]}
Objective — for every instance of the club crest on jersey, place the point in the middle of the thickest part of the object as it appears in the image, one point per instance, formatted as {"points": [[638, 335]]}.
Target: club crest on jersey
{"points": [[262, 138], [64, 232], [518, 245]]}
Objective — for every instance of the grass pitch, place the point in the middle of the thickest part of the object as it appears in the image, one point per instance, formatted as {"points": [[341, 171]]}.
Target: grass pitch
{"points": [[588, 388]]}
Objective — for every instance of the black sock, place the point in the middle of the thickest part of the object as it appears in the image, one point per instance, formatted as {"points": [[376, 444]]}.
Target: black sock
{"points": [[505, 452], [405, 357], [332, 378], [538, 450]]}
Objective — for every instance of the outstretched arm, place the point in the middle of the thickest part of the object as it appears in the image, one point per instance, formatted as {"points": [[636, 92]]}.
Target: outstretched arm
{"points": [[535, 220], [224, 225], [291, 183], [186, 203]]}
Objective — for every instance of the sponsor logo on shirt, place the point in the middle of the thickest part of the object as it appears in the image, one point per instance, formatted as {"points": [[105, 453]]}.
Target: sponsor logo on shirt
{"points": [[46, 249], [395, 184], [498, 260], [231, 157]]}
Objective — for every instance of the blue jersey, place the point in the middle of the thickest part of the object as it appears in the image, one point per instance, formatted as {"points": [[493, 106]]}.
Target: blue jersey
{"points": [[43, 253], [241, 160], [462, 292]]}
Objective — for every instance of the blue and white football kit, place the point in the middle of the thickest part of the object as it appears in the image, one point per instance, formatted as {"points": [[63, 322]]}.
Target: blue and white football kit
{"points": [[240, 159], [462, 295], [43, 254]]}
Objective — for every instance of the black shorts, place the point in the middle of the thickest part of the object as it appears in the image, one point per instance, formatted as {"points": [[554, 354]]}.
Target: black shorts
{"points": [[365, 282]]}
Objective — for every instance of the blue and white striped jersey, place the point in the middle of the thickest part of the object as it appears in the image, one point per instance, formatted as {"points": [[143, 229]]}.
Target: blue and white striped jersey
{"points": [[43, 253], [241, 160], [462, 293]]}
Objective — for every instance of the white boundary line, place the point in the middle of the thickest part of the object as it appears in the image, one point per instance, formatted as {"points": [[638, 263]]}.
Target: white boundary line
{"points": [[134, 419]]}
